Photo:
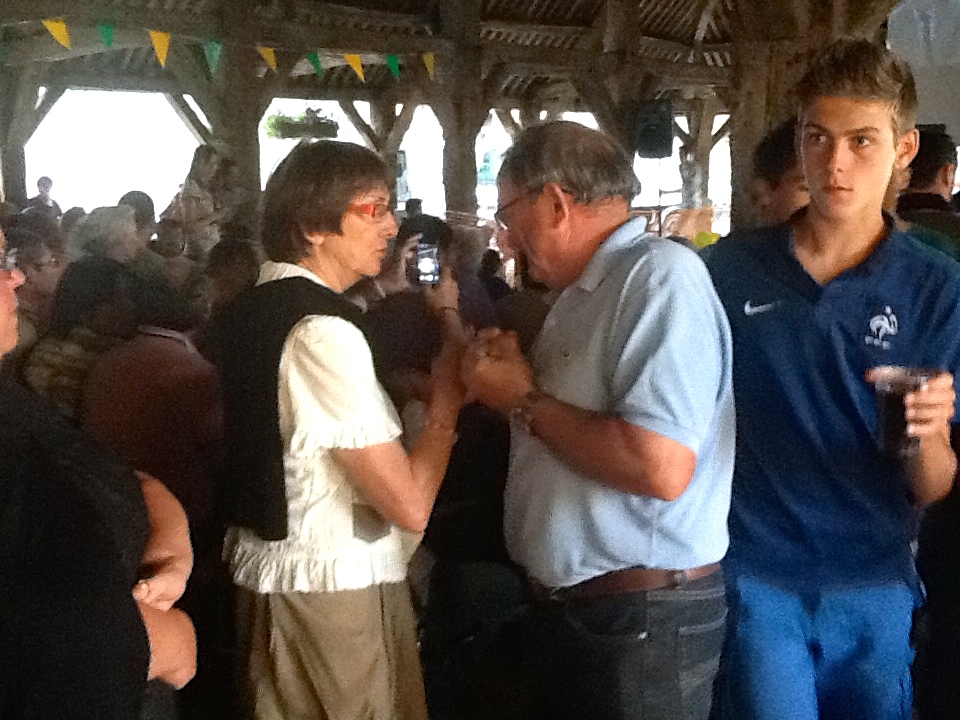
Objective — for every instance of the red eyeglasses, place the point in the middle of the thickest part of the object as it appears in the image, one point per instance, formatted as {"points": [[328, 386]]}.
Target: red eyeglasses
{"points": [[377, 211]]}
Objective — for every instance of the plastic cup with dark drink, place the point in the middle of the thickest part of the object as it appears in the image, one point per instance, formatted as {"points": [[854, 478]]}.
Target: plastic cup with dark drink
{"points": [[891, 384]]}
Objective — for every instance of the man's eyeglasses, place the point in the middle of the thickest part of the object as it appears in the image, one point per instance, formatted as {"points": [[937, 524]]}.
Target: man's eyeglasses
{"points": [[500, 216], [376, 211], [8, 260]]}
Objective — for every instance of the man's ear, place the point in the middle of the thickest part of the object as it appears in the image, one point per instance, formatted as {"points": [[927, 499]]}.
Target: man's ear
{"points": [[561, 203], [907, 148], [946, 178]]}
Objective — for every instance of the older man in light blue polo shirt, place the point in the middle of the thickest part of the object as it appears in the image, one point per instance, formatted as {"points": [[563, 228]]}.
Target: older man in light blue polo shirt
{"points": [[623, 439]]}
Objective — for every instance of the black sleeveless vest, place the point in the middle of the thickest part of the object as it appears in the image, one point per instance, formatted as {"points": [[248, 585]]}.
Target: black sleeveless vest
{"points": [[248, 342]]}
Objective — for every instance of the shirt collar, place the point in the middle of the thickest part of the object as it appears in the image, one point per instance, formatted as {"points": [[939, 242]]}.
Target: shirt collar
{"points": [[271, 271], [604, 259], [893, 238]]}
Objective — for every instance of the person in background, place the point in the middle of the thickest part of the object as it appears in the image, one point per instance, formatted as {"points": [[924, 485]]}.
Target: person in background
{"points": [[41, 271], [195, 206], [621, 444], [42, 200], [70, 218], [81, 636], [925, 202], [322, 497], [232, 267], [46, 227], [779, 188], [489, 274], [154, 400], [108, 232], [144, 214], [820, 575], [93, 310]]}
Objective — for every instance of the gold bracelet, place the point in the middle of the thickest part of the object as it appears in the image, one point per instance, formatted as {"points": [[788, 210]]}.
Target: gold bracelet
{"points": [[522, 412]]}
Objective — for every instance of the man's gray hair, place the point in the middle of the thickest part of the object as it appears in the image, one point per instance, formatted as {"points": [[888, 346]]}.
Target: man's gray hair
{"points": [[588, 164]]}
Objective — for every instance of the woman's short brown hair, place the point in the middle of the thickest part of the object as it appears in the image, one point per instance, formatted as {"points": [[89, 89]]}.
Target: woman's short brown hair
{"points": [[311, 190], [863, 70]]}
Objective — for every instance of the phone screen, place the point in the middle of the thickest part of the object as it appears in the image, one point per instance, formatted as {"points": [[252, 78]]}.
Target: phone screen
{"points": [[428, 264]]}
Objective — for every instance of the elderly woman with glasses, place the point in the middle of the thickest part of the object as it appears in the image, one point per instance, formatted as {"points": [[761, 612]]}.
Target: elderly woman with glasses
{"points": [[323, 499]]}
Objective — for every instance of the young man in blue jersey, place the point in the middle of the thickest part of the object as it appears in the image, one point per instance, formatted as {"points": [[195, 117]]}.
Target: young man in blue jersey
{"points": [[820, 578]]}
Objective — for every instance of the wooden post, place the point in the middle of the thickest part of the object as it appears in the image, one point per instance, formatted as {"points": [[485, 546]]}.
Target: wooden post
{"points": [[697, 144], [384, 133], [21, 112], [461, 99]]}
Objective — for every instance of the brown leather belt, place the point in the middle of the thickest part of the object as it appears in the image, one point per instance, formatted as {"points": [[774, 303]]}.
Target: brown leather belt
{"points": [[623, 581]]}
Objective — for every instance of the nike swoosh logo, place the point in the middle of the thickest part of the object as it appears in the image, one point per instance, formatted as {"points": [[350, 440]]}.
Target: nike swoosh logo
{"points": [[750, 309]]}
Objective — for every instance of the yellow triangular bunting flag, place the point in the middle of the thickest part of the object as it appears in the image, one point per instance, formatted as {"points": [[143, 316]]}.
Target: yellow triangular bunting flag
{"points": [[355, 62], [429, 60], [268, 54], [58, 28], [161, 45]]}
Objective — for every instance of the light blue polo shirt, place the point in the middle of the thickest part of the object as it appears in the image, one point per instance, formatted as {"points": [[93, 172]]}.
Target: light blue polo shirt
{"points": [[641, 335]]}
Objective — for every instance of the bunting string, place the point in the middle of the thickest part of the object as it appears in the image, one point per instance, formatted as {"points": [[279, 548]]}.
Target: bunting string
{"points": [[59, 30]]}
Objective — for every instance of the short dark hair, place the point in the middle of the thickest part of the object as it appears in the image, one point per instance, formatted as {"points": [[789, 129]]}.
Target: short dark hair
{"points": [[402, 332], [776, 154], [311, 190], [85, 284], [864, 70], [587, 163], [228, 254], [144, 212], [29, 245], [937, 150]]}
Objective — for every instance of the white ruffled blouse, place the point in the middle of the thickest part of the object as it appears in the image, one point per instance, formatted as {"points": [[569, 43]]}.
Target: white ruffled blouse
{"points": [[329, 397]]}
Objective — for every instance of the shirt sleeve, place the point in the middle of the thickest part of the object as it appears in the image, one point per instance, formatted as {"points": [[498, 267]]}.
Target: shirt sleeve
{"points": [[329, 394], [671, 348]]}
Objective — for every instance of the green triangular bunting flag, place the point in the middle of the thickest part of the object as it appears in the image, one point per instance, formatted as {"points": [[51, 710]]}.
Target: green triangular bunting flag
{"points": [[393, 62], [107, 32], [211, 50], [314, 59]]}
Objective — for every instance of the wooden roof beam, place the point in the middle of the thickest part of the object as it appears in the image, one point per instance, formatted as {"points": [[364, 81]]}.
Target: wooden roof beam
{"points": [[195, 125], [84, 41], [553, 62], [253, 30], [707, 9]]}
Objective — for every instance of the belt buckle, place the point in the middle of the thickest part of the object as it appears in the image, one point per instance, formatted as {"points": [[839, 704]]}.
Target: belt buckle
{"points": [[679, 577]]}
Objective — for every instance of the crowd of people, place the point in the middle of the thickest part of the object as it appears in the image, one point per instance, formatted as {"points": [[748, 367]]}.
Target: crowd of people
{"points": [[301, 472]]}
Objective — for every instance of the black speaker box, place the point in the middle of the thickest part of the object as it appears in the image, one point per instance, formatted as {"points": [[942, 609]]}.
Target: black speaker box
{"points": [[653, 129]]}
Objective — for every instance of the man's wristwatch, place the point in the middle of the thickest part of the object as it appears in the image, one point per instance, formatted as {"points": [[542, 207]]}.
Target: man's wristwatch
{"points": [[522, 412]]}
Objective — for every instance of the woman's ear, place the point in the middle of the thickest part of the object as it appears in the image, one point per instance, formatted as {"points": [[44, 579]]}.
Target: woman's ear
{"points": [[313, 237]]}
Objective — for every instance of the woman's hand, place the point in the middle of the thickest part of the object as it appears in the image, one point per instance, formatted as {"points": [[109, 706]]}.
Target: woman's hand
{"points": [[445, 295]]}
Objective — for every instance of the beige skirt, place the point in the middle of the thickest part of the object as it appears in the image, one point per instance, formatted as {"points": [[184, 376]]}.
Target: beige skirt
{"points": [[349, 655]]}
